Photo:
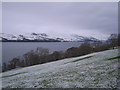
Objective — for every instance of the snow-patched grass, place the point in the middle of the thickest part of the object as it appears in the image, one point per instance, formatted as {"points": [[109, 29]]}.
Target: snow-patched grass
{"points": [[89, 71]]}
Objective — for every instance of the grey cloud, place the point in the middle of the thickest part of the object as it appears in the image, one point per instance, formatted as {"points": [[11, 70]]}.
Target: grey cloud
{"points": [[60, 17]]}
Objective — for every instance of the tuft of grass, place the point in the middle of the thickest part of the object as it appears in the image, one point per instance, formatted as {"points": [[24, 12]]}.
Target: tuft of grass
{"points": [[118, 57], [82, 58], [13, 75], [46, 84]]}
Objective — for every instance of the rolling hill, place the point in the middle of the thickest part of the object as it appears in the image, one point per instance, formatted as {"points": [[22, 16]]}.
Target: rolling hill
{"points": [[95, 70]]}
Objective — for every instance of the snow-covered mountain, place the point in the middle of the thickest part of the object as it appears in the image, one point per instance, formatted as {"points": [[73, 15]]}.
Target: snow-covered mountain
{"points": [[76, 37], [43, 37], [113, 37]]}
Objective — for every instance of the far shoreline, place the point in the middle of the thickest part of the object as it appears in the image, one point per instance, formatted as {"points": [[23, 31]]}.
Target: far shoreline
{"points": [[44, 41]]}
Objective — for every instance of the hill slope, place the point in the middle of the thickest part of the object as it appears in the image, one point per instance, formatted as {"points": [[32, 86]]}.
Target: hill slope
{"points": [[96, 70]]}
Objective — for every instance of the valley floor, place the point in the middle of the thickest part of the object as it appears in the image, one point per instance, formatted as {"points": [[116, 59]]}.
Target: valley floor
{"points": [[96, 70]]}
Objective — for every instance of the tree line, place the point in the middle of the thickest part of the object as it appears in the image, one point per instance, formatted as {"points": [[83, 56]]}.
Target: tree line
{"points": [[42, 55]]}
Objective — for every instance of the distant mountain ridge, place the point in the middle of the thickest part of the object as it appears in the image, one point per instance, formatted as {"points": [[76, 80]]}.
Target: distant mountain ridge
{"points": [[43, 37]]}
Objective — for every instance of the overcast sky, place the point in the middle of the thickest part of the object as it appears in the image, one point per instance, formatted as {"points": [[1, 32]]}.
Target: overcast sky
{"points": [[59, 19]]}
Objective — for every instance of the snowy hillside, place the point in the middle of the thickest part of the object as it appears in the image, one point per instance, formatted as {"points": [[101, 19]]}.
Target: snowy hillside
{"points": [[44, 37], [96, 70]]}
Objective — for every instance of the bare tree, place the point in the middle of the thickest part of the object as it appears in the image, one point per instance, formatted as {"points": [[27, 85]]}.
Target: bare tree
{"points": [[31, 58], [71, 52], [13, 62], [85, 48], [42, 51]]}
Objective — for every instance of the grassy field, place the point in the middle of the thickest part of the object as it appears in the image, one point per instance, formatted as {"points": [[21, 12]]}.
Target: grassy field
{"points": [[96, 70]]}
